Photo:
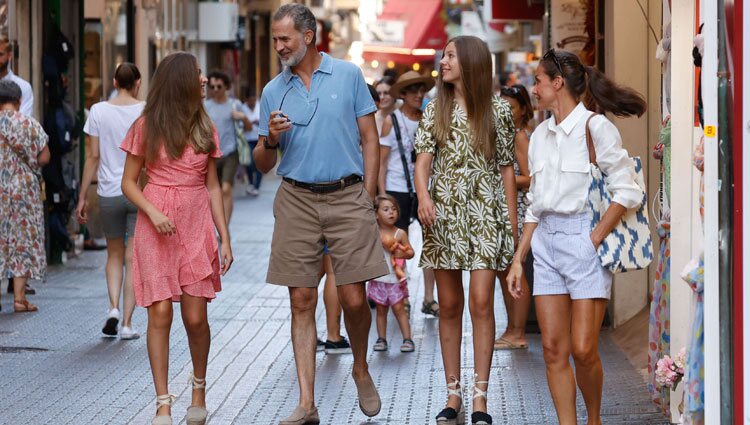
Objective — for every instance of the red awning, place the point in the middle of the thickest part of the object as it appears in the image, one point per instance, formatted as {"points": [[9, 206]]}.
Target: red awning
{"points": [[517, 10], [424, 32]]}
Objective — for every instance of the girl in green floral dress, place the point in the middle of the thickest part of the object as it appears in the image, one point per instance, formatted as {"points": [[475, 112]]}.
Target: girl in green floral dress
{"points": [[470, 217]]}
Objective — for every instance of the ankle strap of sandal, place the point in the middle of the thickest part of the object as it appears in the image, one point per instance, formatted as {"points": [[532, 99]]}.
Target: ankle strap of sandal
{"points": [[454, 387], [479, 392], [198, 383], [165, 400]]}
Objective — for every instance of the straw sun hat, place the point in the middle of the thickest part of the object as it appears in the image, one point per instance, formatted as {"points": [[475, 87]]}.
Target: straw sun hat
{"points": [[408, 78]]}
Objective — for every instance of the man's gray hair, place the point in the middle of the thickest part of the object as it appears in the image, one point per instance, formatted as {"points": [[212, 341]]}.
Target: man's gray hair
{"points": [[302, 17], [9, 92]]}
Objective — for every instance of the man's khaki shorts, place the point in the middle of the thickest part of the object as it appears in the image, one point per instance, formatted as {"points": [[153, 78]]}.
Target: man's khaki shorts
{"points": [[305, 220]]}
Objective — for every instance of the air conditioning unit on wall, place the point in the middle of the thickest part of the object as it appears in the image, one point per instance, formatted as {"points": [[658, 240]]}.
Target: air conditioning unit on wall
{"points": [[217, 21]]}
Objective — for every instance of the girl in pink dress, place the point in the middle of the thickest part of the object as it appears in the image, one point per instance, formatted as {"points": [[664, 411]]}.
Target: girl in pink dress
{"points": [[175, 252]]}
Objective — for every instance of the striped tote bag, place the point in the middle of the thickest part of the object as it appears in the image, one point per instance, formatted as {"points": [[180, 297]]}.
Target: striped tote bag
{"points": [[629, 246]]}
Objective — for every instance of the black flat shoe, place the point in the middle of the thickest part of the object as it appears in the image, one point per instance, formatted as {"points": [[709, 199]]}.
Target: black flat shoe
{"points": [[447, 415], [481, 418]]}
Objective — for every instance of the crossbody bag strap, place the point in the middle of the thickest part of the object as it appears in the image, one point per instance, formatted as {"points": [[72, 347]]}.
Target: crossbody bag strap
{"points": [[590, 142], [402, 151]]}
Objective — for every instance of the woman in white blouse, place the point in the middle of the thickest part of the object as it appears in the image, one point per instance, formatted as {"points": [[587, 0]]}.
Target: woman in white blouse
{"points": [[571, 288]]}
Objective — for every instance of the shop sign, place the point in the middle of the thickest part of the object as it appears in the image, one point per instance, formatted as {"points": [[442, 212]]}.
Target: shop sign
{"points": [[573, 28], [385, 32]]}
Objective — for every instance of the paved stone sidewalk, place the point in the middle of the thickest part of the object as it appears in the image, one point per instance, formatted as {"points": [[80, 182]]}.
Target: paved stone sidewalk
{"points": [[56, 369]]}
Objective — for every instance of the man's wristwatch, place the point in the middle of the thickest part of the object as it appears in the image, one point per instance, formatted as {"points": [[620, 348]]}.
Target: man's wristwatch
{"points": [[268, 145]]}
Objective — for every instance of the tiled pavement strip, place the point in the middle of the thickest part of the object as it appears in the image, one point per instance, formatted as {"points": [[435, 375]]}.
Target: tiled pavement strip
{"points": [[84, 379]]}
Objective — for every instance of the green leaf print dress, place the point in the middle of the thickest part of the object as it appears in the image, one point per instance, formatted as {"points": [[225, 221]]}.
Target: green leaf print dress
{"points": [[472, 230]]}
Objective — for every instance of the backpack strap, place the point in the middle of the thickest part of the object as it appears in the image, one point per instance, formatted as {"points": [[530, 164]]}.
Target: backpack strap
{"points": [[402, 151], [590, 141]]}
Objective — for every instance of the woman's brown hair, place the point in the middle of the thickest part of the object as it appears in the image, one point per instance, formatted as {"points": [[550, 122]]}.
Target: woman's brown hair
{"points": [[521, 95], [588, 84], [126, 75], [174, 115], [475, 66]]}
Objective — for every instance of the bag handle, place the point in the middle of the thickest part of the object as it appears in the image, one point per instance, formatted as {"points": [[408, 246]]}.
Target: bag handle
{"points": [[590, 142], [402, 151]]}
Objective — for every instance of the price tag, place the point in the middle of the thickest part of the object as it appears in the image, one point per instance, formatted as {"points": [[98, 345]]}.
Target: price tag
{"points": [[710, 131], [56, 198]]}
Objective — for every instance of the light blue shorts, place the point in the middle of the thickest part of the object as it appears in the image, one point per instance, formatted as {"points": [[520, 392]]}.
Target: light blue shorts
{"points": [[565, 260]]}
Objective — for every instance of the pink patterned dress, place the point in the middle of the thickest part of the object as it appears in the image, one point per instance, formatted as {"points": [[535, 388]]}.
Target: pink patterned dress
{"points": [[165, 266]]}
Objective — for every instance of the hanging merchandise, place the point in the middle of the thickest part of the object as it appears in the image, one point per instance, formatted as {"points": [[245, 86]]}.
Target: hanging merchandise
{"points": [[693, 274], [659, 330]]}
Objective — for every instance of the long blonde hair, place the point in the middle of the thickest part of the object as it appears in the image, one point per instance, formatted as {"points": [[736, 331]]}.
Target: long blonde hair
{"points": [[174, 115], [475, 66]]}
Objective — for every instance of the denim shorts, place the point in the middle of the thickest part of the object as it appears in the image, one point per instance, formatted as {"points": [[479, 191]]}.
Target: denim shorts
{"points": [[565, 260]]}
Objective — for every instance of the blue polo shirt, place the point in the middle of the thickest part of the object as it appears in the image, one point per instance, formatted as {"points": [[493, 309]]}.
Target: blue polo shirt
{"points": [[323, 144]]}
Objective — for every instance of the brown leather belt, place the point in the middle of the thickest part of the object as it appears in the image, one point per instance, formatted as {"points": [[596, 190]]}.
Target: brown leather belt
{"points": [[328, 186]]}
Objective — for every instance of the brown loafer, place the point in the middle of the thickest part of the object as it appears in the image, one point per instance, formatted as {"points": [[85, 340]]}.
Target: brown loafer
{"points": [[300, 416], [369, 399]]}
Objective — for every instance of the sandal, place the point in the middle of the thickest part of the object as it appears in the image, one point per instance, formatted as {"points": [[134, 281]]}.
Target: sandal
{"points": [[163, 400], [196, 415], [24, 306], [431, 308], [380, 345], [506, 344], [477, 417], [407, 346], [450, 415]]}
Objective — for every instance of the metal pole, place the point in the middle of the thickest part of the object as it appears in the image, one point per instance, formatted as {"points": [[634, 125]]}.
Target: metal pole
{"points": [[725, 223], [711, 319]]}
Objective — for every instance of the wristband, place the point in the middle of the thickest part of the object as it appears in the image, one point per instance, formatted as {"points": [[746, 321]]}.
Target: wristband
{"points": [[269, 146]]}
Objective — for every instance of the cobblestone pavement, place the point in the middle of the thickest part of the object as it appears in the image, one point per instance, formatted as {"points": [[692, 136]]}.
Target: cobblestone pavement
{"points": [[56, 369]]}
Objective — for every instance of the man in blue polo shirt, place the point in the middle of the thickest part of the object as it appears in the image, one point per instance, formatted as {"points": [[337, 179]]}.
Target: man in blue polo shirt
{"points": [[319, 112]]}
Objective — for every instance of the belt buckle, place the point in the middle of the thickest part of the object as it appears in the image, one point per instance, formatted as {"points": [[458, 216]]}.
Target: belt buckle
{"points": [[342, 183]]}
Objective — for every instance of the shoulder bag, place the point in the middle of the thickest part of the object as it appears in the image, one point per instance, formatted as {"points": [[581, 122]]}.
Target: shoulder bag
{"points": [[243, 148], [628, 247]]}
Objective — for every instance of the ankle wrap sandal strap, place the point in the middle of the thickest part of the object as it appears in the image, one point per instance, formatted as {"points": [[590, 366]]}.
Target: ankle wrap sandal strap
{"points": [[165, 400], [454, 387], [198, 383], [478, 392]]}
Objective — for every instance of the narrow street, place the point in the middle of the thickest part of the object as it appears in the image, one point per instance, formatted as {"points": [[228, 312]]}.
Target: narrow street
{"points": [[56, 368]]}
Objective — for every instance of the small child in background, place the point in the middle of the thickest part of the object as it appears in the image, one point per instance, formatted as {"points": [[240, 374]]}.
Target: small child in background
{"points": [[391, 290]]}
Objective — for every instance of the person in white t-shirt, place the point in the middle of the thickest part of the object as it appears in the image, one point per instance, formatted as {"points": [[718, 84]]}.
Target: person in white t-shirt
{"points": [[251, 109], [107, 124], [394, 179], [27, 95]]}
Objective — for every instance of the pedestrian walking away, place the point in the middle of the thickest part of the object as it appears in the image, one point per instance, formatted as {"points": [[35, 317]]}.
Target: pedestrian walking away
{"points": [[514, 335], [571, 288], [175, 252], [224, 112], [397, 157], [251, 109], [23, 152], [466, 139], [391, 291], [320, 113], [107, 124]]}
